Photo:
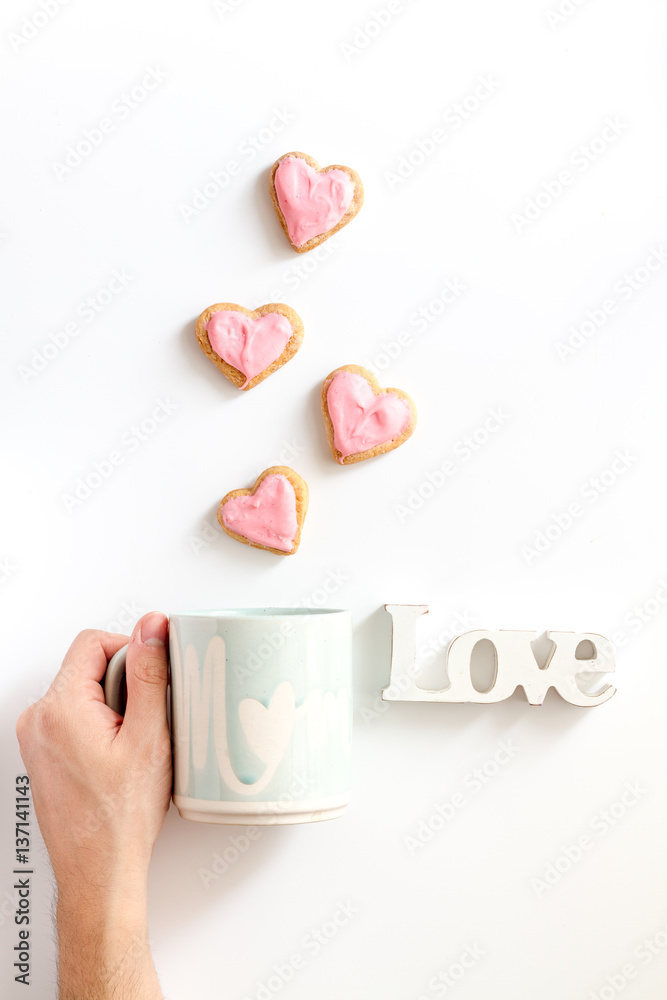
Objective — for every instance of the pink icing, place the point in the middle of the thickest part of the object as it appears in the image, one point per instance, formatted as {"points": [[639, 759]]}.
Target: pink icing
{"points": [[268, 516], [247, 343], [362, 420], [311, 202]]}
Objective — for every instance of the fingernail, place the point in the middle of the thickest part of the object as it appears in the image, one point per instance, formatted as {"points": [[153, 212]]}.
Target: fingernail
{"points": [[153, 631]]}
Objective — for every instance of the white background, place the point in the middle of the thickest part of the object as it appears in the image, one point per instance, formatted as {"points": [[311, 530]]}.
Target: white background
{"points": [[144, 538]]}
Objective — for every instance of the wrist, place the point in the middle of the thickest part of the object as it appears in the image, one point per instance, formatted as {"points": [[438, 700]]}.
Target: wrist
{"points": [[111, 899], [103, 944]]}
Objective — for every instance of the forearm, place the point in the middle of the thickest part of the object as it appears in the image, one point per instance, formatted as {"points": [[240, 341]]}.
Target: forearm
{"points": [[104, 949]]}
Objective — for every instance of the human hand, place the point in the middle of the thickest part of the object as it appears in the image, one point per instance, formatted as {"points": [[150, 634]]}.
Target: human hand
{"points": [[101, 783]]}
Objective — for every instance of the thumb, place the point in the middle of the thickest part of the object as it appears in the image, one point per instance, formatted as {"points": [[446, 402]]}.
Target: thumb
{"points": [[147, 675]]}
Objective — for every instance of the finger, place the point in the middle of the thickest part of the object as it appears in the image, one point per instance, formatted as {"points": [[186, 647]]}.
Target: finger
{"points": [[147, 675], [86, 661]]}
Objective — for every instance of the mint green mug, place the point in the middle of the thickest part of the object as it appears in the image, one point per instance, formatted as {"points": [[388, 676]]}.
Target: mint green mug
{"points": [[261, 713]]}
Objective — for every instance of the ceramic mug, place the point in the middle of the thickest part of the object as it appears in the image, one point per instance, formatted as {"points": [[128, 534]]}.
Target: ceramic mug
{"points": [[261, 713]]}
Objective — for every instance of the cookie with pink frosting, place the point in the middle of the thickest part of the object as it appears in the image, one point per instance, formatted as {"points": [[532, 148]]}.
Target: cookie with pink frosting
{"points": [[248, 345], [362, 419], [313, 202], [270, 515]]}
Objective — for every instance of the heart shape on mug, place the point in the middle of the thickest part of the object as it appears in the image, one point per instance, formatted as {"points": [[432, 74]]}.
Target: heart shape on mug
{"points": [[313, 202], [248, 345], [362, 419], [268, 728], [271, 514]]}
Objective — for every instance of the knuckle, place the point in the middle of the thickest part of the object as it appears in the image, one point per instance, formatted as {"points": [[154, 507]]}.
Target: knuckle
{"points": [[24, 725], [88, 635], [159, 752]]}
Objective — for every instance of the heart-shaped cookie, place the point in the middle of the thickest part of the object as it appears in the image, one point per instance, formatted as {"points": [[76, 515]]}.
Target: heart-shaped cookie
{"points": [[313, 202], [247, 345], [361, 419], [271, 514]]}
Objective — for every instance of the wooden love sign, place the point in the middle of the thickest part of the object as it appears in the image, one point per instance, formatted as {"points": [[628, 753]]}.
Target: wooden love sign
{"points": [[570, 656]]}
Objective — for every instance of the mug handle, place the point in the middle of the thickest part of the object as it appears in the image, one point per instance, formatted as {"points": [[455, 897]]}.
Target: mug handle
{"points": [[115, 686]]}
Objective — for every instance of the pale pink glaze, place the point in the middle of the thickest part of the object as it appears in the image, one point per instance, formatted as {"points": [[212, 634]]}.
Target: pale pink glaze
{"points": [[268, 516], [362, 420], [311, 202], [247, 343]]}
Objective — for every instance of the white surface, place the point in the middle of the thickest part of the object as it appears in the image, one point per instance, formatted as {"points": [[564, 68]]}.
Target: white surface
{"points": [[130, 542]]}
